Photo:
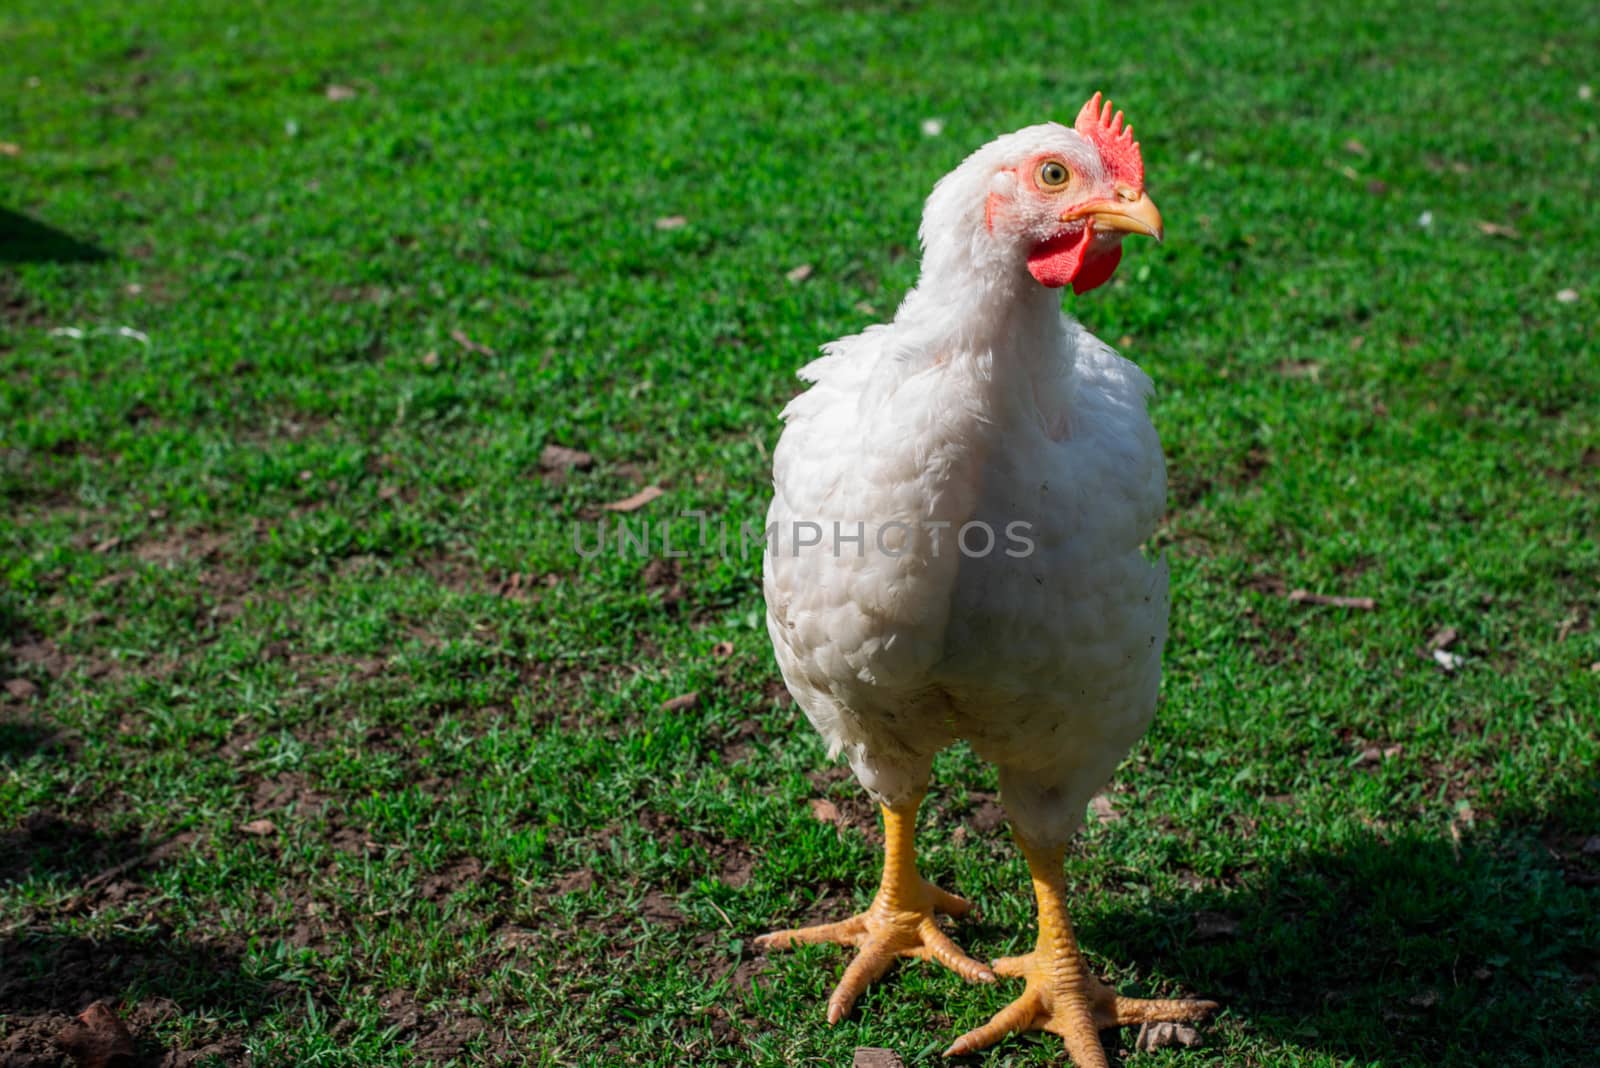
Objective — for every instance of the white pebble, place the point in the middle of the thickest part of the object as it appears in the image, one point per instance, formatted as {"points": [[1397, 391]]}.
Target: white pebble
{"points": [[933, 127], [1567, 296], [1425, 220]]}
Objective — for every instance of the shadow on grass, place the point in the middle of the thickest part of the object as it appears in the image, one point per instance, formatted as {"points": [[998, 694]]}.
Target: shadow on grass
{"points": [[62, 974], [24, 240], [1402, 949], [19, 741], [47, 845], [145, 977], [146, 974]]}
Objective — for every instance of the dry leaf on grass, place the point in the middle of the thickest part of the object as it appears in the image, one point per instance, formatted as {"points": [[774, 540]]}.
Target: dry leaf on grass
{"points": [[671, 222], [259, 828], [824, 810], [1374, 754], [635, 502], [1494, 229], [722, 650], [339, 92], [1443, 638], [682, 702], [1104, 809], [96, 1038], [876, 1057], [559, 458], [800, 273], [10, 148], [21, 689]]}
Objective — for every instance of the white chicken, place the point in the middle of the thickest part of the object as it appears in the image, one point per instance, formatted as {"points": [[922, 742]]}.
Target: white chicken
{"points": [[955, 552]]}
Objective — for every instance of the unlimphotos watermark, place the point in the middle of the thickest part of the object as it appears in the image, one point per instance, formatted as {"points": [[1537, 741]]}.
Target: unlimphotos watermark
{"points": [[677, 538]]}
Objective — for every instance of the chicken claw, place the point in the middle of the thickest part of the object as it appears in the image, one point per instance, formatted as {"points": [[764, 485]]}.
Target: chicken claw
{"points": [[1073, 1004], [1061, 995], [899, 923]]}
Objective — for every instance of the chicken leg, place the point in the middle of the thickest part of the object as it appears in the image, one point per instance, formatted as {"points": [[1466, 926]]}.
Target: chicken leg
{"points": [[899, 922], [1061, 995]]}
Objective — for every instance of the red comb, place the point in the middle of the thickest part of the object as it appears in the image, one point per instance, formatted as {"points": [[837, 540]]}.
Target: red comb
{"points": [[1115, 141]]}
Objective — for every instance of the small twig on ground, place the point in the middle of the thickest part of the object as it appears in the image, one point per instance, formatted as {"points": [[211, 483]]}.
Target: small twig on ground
{"points": [[1366, 604]]}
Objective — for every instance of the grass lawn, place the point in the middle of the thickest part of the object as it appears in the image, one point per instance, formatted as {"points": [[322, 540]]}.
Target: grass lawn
{"points": [[321, 744]]}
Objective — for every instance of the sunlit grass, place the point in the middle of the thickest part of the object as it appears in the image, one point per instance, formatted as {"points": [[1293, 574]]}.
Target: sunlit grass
{"points": [[322, 744]]}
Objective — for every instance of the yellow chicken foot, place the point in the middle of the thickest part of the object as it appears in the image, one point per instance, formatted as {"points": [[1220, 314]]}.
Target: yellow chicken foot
{"points": [[899, 922], [1061, 995]]}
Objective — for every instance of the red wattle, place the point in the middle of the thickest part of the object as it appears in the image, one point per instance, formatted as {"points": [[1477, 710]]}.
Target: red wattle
{"points": [[1097, 269], [1068, 258], [1054, 262]]}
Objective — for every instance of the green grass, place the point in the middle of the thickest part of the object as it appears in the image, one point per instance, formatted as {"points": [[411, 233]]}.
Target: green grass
{"points": [[289, 554]]}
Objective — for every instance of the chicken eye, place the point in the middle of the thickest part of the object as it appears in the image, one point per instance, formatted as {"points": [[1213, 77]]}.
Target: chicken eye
{"points": [[1053, 174]]}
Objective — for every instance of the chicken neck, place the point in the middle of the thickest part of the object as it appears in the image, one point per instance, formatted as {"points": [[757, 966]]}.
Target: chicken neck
{"points": [[1002, 341]]}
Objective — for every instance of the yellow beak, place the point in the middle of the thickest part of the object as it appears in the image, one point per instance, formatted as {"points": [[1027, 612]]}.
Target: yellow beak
{"points": [[1137, 216]]}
